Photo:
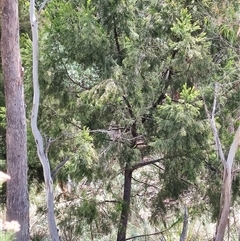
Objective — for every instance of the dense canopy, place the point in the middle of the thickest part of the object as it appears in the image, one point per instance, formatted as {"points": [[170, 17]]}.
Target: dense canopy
{"points": [[135, 98]]}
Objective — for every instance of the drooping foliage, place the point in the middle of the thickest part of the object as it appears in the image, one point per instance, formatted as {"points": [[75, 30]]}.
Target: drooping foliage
{"points": [[124, 82]]}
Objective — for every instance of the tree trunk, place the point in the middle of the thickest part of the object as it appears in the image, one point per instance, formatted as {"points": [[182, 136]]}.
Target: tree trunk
{"points": [[226, 188], [225, 209], [17, 189], [36, 133], [125, 205], [183, 236]]}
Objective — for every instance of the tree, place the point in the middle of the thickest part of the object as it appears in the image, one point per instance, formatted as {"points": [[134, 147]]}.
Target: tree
{"points": [[228, 169], [17, 189], [130, 74], [137, 86], [42, 154]]}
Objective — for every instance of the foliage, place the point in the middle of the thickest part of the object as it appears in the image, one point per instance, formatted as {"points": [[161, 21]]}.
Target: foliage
{"points": [[114, 74]]}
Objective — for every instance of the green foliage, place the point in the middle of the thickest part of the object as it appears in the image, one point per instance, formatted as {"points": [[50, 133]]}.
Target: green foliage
{"points": [[6, 236], [76, 27], [143, 67], [179, 129], [184, 31], [88, 210]]}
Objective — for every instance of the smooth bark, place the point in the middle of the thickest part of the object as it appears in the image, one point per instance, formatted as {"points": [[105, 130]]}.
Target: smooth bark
{"points": [[226, 194], [227, 187], [16, 134], [36, 133]]}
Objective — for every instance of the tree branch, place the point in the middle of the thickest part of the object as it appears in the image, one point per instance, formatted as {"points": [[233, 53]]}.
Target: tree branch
{"points": [[146, 235], [116, 40], [211, 119], [149, 185], [145, 163], [42, 6], [157, 233], [50, 142], [158, 101], [58, 167], [72, 80]]}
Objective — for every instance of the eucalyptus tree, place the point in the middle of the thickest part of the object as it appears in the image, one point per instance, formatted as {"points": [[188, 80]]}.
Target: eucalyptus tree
{"points": [[16, 134]]}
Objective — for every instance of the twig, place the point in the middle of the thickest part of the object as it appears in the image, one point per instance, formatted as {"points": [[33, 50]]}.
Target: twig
{"points": [[152, 234], [63, 117], [73, 81], [50, 142], [149, 185]]}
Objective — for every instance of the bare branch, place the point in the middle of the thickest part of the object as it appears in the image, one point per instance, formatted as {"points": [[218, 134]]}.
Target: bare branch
{"points": [[145, 163], [145, 183], [146, 235], [233, 149], [50, 142], [236, 171], [58, 167], [215, 100], [42, 6], [211, 119], [109, 201], [152, 234]]}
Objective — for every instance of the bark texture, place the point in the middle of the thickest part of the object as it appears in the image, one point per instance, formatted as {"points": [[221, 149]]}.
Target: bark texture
{"points": [[17, 189]]}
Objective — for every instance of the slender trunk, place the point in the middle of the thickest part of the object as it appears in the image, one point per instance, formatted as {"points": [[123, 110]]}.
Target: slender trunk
{"points": [[185, 226], [226, 188], [36, 133], [225, 209], [226, 195], [125, 205], [17, 188]]}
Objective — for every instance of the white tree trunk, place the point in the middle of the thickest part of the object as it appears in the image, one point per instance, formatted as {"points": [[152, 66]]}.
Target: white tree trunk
{"points": [[36, 133], [226, 194], [226, 188]]}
